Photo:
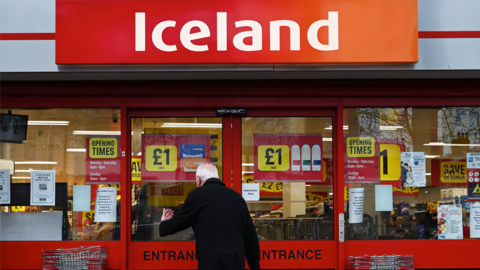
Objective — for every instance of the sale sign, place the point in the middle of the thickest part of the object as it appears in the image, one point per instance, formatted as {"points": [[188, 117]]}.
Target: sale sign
{"points": [[449, 172], [173, 157], [361, 159], [136, 168], [288, 158], [473, 175], [247, 31], [103, 160]]}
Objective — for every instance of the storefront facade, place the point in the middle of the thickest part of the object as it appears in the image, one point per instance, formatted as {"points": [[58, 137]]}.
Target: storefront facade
{"points": [[300, 214]]}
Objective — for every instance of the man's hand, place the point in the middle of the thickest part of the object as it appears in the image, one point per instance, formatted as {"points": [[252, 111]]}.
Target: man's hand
{"points": [[167, 214]]}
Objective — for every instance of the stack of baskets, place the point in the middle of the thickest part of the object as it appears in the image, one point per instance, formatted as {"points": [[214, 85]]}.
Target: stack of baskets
{"points": [[93, 257], [394, 262]]}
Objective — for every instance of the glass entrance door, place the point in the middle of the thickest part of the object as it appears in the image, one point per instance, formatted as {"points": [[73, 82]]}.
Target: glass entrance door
{"points": [[287, 160]]}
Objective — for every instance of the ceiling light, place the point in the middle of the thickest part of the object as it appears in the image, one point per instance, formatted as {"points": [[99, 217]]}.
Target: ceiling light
{"points": [[432, 156], [381, 127], [247, 164], [308, 185], [191, 125], [449, 144], [327, 139], [246, 172], [48, 123], [27, 171], [77, 150], [428, 174], [21, 177], [330, 193], [93, 132], [390, 127], [36, 162], [330, 127]]}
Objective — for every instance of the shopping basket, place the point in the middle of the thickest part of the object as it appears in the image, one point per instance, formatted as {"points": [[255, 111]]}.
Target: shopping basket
{"points": [[395, 262], [93, 257]]}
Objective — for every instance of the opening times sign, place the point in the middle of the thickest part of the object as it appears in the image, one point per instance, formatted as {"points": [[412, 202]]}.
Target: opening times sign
{"points": [[361, 159], [173, 157], [295, 157], [103, 160]]}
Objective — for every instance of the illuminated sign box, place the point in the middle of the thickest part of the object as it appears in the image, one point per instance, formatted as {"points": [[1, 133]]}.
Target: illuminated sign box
{"points": [[247, 31]]}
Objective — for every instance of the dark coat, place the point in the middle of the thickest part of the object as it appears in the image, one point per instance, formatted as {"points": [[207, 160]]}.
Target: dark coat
{"points": [[223, 228]]}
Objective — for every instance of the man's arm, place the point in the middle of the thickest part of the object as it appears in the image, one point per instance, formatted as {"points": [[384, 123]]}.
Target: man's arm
{"points": [[252, 247], [187, 216]]}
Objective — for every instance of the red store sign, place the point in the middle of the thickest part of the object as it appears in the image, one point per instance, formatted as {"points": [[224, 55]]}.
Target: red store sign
{"points": [[246, 31]]}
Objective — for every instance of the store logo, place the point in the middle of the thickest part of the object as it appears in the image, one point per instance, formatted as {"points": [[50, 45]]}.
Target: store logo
{"points": [[197, 30]]}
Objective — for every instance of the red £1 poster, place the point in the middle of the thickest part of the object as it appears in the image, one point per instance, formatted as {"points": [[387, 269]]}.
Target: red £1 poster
{"points": [[288, 158], [173, 157], [103, 160], [361, 159]]}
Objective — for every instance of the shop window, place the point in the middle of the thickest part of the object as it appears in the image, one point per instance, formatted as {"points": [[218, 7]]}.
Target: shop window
{"points": [[289, 160], [64, 167], [165, 155], [411, 173]]}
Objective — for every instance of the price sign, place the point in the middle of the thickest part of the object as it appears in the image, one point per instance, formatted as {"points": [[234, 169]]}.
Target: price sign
{"points": [[136, 169], [288, 158], [274, 158], [314, 197], [18, 209], [161, 158], [390, 162]]}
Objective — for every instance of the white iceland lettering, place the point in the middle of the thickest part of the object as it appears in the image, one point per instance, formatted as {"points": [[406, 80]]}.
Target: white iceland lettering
{"points": [[255, 33], [275, 35], [332, 24], [186, 35], [221, 31], [157, 36], [140, 31]]}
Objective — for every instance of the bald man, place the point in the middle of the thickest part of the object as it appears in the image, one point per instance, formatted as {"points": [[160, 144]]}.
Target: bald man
{"points": [[220, 219]]}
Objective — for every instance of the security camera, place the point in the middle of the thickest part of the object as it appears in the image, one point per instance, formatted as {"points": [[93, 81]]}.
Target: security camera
{"points": [[114, 117]]}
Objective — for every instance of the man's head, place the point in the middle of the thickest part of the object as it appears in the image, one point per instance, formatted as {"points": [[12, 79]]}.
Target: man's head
{"points": [[405, 165], [205, 171]]}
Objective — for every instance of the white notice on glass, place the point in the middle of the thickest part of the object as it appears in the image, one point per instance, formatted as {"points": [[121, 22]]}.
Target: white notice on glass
{"points": [[413, 169], [355, 205], [475, 220], [81, 197], [449, 220], [251, 192], [106, 204], [5, 186], [383, 198], [42, 190]]}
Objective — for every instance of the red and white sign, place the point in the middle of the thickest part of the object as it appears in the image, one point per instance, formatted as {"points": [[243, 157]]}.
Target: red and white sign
{"points": [[473, 176], [103, 160], [247, 31], [172, 157], [361, 162], [288, 158]]}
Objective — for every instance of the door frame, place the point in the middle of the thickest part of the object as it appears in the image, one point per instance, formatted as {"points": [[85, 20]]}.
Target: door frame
{"points": [[141, 253]]}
